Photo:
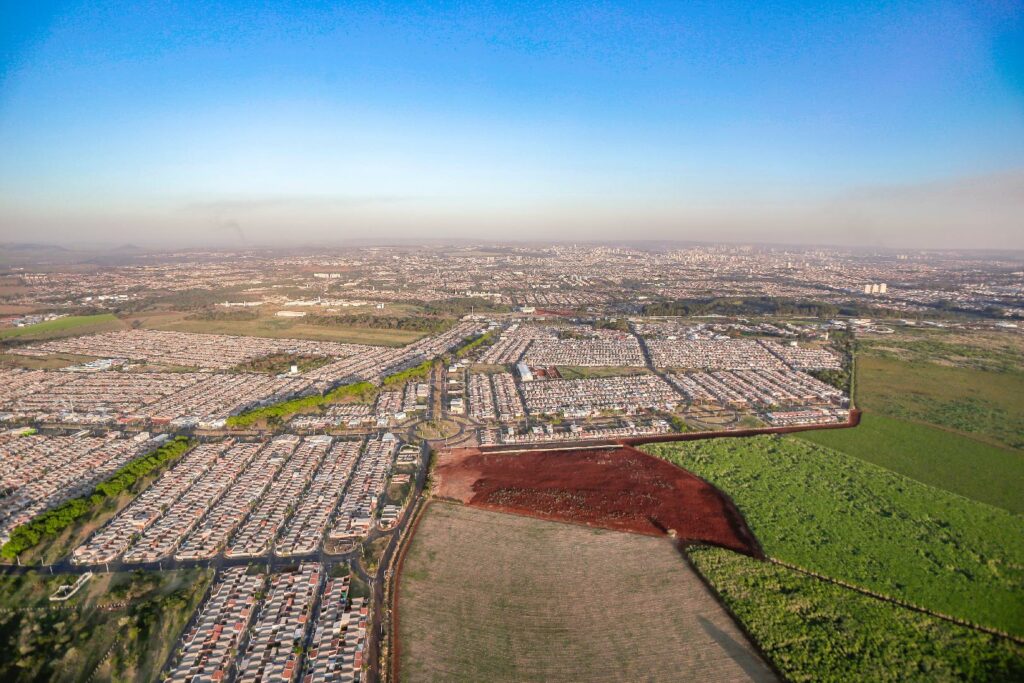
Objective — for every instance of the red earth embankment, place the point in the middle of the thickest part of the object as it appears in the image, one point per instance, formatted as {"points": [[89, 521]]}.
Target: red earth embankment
{"points": [[616, 488]]}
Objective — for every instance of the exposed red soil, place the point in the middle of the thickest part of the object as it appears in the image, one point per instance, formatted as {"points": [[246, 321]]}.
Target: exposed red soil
{"points": [[615, 488]]}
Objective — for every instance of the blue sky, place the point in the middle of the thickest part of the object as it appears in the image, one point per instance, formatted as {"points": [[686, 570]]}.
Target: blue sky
{"points": [[902, 123]]}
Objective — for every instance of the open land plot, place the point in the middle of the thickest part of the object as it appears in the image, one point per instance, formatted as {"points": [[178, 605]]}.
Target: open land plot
{"points": [[621, 488], [933, 456], [64, 327], [52, 362], [135, 616], [851, 520], [571, 372], [993, 350], [291, 328], [485, 596], [813, 630], [983, 404], [13, 309]]}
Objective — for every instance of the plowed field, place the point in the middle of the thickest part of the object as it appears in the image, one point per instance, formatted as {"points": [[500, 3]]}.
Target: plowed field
{"points": [[614, 488], [484, 596]]}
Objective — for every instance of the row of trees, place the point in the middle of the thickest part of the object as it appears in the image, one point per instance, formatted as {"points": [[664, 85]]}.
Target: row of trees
{"points": [[50, 523], [361, 391], [472, 344], [417, 372], [364, 392]]}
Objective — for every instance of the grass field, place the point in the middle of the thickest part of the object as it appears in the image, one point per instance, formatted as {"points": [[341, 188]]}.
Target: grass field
{"points": [[984, 404], [286, 328], [846, 518], [996, 351], [42, 642], [816, 631], [485, 596], [986, 473], [64, 327]]}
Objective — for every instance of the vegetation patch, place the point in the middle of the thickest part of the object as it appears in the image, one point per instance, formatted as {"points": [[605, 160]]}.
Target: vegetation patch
{"points": [[813, 630], [360, 392], [851, 520], [289, 328], [421, 371], [278, 363], [956, 463], [980, 403], [63, 327], [473, 344], [972, 349], [118, 627], [430, 325]]}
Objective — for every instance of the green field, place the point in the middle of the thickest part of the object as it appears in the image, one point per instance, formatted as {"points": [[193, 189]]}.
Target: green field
{"points": [[816, 631], [984, 404], [136, 617], [64, 327], [986, 473], [290, 328], [991, 350], [849, 519]]}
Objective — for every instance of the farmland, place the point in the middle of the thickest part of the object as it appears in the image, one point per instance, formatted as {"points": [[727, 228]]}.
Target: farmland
{"points": [[485, 596], [135, 617], [63, 327], [981, 403], [949, 461], [848, 519], [816, 631], [942, 408]]}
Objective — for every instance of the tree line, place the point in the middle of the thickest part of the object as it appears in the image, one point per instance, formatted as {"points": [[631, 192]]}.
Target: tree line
{"points": [[52, 522]]}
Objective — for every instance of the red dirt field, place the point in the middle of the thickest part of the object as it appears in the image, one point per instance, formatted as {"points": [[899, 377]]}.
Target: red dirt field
{"points": [[616, 488]]}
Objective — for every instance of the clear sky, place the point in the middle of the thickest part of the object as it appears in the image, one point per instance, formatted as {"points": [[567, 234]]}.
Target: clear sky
{"points": [[876, 123]]}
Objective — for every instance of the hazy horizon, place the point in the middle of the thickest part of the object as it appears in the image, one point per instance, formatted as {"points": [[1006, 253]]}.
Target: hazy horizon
{"points": [[889, 125]]}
